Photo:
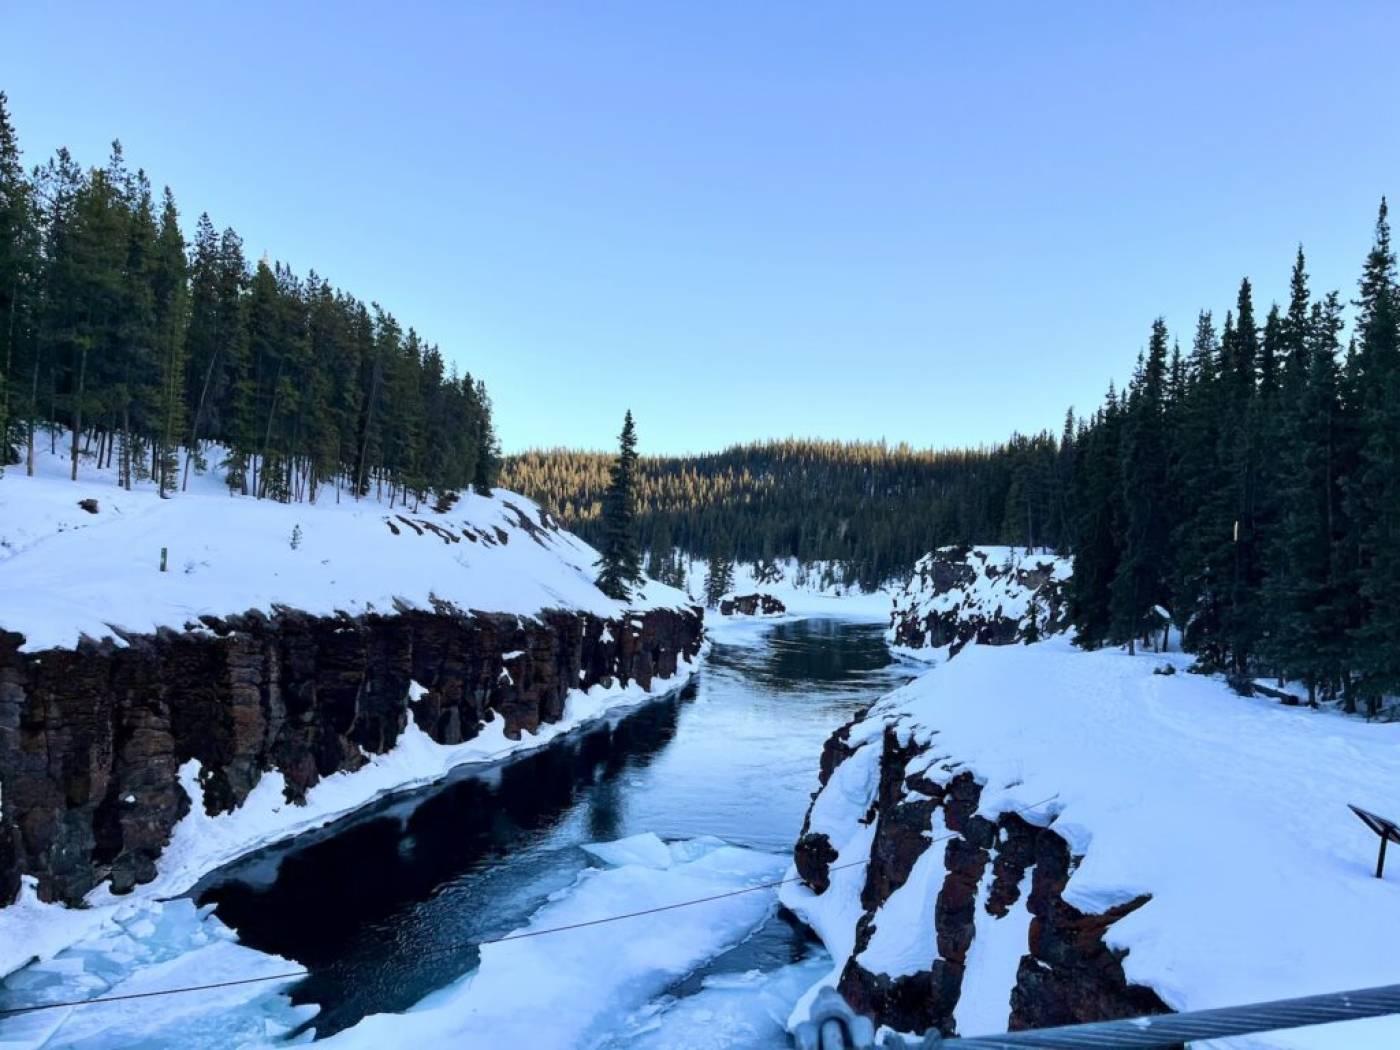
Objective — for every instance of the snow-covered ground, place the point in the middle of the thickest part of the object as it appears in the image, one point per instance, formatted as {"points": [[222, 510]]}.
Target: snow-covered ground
{"points": [[1230, 812], [65, 572], [811, 590]]}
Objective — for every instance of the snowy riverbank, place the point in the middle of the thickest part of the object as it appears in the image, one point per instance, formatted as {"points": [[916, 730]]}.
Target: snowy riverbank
{"points": [[1229, 815]]}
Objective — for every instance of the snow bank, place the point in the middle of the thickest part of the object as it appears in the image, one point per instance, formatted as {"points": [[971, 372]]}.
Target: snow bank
{"points": [[65, 572], [567, 989], [817, 589], [1230, 812]]}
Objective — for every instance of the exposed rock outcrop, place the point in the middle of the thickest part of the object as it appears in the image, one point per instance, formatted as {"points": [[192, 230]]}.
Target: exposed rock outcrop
{"points": [[1067, 974], [986, 595], [91, 739], [752, 605]]}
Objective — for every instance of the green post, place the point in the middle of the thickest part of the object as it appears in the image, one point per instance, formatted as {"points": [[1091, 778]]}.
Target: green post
{"points": [[162, 559]]}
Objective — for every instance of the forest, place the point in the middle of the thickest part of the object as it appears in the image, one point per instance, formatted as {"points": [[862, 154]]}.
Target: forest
{"points": [[144, 352], [1246, 491], [871, 508]]}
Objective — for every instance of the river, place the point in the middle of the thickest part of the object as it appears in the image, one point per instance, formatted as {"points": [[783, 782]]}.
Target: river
{"points": [[384, 908]]}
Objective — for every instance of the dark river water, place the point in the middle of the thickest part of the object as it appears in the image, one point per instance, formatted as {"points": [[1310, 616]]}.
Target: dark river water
{"points": [[382, 907]]}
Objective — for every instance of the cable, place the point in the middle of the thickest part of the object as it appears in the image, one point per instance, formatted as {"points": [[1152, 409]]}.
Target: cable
{"points": [[517, 936]]}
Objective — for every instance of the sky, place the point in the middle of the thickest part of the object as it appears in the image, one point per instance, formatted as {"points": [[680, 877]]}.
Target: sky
{"points": [[927, 222]]}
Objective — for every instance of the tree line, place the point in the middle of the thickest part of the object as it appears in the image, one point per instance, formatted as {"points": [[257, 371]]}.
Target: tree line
{"points": [[144, 352], [1247, 492], [870, 508]]}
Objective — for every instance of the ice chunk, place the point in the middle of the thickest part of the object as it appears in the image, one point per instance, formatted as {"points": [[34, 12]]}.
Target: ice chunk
{"points": [[154, 947], [646, 850]]}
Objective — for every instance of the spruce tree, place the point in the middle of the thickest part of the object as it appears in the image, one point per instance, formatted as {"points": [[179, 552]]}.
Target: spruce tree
{"points": [[620, 563], [1139, 579], [1376, 492]]}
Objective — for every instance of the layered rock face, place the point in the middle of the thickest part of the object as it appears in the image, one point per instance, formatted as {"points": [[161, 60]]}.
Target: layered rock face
{"points": [[752, 605], [921, 801], [986, 595], [91, 739]]}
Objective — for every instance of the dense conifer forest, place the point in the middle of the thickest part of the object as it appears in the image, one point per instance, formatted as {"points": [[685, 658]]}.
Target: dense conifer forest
{"points": [[872, 508], [1247, 491], [124, 343]]}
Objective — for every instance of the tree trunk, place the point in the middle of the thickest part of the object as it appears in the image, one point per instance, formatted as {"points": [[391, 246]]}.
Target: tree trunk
{"points": [[78, 411]]}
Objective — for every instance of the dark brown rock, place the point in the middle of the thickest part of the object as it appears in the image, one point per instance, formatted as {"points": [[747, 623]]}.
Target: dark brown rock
{"points": [[1067, 975], [752, 605]]}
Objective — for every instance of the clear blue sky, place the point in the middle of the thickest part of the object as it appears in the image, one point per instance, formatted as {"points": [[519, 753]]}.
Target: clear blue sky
{"points": [[930, 222]]}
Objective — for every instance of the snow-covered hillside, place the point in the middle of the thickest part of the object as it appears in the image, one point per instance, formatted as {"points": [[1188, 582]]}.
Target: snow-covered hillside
{"points": [[987, 595], [1215, 828], [65, 572], [814, 589]]}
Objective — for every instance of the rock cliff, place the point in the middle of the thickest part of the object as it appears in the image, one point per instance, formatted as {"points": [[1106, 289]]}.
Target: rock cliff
{"points": [[91, 738], [986, 595], [982, 870]]}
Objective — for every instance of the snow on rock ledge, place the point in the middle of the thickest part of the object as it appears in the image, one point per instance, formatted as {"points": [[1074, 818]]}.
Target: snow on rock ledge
{"points": [[1043, 836], [986, 595]]}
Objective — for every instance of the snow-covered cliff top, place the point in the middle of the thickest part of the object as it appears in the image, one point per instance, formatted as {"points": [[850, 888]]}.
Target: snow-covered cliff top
{"points": [[65, 572], [976, 593], [1230, 812]]}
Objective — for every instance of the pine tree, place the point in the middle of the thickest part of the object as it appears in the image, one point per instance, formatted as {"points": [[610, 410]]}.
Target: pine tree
{"points": [[19, 271], [1139, 581], [1197, 478], [1308, 638], [488, 453], [1098, 550], [1376, 492], [719, 574], [621, 559], [170, 306]]}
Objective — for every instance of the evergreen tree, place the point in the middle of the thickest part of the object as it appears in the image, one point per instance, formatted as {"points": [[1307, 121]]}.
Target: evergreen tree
{"points": [[719, 575], [1376, 492], [1308, 640], [1098, 550], [621, 557], [1197, 477], [488, 453], [1139, 580]]}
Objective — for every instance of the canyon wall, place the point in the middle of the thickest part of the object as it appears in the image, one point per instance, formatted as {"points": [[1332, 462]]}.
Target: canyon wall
{"points": [[1067, 973], [91, 738], [981, 595]]}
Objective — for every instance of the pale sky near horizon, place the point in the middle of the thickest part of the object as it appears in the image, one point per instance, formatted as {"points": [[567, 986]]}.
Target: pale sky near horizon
{"points": [[926, 222]]}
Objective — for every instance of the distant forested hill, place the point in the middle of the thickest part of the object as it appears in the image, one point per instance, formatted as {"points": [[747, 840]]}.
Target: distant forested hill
{"points": [[871, 507]]}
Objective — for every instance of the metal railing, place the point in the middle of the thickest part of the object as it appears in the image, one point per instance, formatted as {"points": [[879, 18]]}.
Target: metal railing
{"points": [[835, 1026]]}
